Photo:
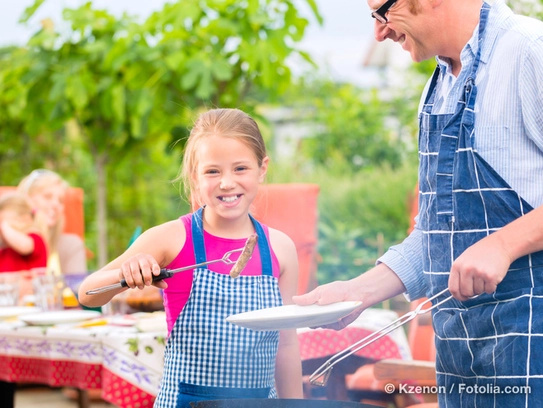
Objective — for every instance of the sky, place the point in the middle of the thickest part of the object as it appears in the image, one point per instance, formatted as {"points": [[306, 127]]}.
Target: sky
{"points": [[339, 46]]}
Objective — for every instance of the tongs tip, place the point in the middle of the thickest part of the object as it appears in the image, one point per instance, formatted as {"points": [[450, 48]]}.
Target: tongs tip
{"points": [[320, 377]]}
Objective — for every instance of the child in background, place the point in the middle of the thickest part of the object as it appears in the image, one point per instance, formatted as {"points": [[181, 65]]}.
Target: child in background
{"points": [[206, 357], [21, 247]]}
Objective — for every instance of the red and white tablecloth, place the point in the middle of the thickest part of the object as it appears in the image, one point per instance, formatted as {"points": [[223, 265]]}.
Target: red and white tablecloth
{"points": [[318, 343], [125, 364]]}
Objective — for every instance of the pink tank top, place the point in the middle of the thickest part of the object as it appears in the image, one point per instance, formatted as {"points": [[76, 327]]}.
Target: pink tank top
{"points": [[179, 286]]}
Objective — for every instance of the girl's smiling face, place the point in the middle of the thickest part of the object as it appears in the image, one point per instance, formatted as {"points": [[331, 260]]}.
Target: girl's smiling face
{"points": [[227, 175]]}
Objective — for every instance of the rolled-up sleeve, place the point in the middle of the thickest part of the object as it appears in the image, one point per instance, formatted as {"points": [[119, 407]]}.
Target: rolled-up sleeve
{"points": [[405, 260]]}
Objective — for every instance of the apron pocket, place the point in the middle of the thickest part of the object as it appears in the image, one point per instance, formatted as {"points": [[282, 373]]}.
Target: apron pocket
{"points": [[192, 393]]}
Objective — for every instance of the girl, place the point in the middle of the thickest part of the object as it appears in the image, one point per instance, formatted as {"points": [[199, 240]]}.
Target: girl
{"points": [[21, 248], [206, 357], [45, 191]]}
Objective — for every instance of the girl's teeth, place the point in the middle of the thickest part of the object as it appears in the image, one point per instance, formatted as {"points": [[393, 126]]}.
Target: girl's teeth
{"points": [[229, 199]]}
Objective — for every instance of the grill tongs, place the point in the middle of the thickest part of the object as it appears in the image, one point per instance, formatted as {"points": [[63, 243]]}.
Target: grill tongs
{"points": [[321, 375], [239, 264]]}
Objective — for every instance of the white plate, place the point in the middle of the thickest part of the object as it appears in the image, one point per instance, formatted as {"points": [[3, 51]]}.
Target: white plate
{"points": [[14, 311], [59, 317], [293, 316]]}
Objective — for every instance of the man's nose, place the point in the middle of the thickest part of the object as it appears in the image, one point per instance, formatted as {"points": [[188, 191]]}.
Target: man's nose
{"points": [[380, 31]]}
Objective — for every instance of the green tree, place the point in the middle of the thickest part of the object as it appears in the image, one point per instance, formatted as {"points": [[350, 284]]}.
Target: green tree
{"points": [[127, 86]]}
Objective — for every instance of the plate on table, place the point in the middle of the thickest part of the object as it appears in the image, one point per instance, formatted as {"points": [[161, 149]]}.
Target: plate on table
{"points": [[293, 316], [14, 311], [59, 317]]}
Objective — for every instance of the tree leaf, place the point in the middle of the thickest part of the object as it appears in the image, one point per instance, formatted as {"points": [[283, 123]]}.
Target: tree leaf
{"points": [[30, 10]]}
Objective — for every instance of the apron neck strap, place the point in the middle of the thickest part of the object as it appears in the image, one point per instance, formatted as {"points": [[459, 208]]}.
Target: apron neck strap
{"points": [[199, 245]]}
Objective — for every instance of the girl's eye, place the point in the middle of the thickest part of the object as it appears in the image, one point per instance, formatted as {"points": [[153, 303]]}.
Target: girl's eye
{"points": [[241, 168]]}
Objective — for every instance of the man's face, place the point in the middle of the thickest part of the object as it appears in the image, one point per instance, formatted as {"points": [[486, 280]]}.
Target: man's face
{"points": [[408, 24]]}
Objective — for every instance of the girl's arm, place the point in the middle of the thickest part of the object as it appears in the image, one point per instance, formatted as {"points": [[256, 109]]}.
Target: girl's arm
{"points": [[153, 250], [17, 240], [288, 366]]}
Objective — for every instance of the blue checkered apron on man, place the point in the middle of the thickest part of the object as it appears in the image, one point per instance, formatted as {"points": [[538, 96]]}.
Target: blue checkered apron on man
{"points": [[208, 358], [488, 348]]}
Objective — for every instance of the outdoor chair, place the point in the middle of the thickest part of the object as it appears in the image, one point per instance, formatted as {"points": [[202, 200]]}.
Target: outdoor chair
{"points": [[292, 209]]}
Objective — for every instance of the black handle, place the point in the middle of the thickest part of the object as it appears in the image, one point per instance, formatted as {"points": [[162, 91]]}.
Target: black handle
{"points": [[164, 274]]}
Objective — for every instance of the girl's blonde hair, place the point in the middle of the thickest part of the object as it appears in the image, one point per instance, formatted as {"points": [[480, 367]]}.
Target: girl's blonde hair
{"points": [[33, 184], [18, 203], [232, 123]]}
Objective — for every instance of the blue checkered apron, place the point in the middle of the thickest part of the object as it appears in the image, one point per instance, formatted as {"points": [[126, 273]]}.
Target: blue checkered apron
{"points": [[208, 358], [488, 348]]}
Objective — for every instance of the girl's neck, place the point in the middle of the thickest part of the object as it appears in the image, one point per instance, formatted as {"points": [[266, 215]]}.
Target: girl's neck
{"points": [[240, 227]]}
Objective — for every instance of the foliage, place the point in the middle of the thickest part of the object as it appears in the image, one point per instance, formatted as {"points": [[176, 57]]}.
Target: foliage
{"points": [[351, 125], [129, 89], [360, 214]]}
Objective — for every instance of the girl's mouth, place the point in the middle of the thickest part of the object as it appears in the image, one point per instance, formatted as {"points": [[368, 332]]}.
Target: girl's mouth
{"points": [[229, 199]]}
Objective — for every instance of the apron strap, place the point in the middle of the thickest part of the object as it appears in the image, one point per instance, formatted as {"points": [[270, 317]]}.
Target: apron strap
{"points": [[199, 245], [198, 236], [462, 120]]}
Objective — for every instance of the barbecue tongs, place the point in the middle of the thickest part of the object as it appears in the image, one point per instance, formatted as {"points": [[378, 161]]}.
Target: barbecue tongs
{"points": [[240, 263], [320, 376]]}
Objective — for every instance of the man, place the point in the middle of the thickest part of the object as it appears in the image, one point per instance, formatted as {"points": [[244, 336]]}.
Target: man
{"points": [[479, 230]]}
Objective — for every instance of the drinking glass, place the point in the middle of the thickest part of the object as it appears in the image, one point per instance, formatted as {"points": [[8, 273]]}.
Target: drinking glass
{"points": [[48, 291], [9, 288]]}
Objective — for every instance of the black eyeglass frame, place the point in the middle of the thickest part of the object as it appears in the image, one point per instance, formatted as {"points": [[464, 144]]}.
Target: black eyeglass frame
{"points": [[380, 13]]}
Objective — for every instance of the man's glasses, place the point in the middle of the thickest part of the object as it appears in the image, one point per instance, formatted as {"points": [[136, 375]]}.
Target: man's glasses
{"points": [[380, 13]]}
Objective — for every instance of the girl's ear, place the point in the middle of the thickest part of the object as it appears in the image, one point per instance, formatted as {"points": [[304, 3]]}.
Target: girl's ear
{"points": [[263, 169]]}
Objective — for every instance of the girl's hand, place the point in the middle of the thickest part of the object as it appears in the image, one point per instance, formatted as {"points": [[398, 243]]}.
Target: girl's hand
{"points": [[138, 271]]}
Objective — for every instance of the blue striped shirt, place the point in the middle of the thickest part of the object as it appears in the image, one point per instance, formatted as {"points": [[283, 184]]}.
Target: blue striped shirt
{"points": [[508, 120]]}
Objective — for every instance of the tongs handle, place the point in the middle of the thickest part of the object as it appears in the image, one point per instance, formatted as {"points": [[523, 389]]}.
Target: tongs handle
{"points": [[167, 273], [164, 274]]}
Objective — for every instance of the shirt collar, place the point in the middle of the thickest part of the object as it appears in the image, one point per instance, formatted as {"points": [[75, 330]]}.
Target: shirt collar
{"points": [[499, 12]]}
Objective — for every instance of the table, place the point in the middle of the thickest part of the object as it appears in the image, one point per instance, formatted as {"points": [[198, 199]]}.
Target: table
{"points": [[124, 363], [127, 364], [318, 345]]}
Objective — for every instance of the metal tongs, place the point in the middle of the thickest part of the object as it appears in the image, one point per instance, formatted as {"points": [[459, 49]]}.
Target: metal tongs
{"points": [[168, 273], [321, 375]]}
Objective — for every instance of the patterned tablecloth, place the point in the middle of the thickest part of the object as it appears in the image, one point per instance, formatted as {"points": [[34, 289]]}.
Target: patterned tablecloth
{"points": [[124, 363], [127, 364], [317, 343]]}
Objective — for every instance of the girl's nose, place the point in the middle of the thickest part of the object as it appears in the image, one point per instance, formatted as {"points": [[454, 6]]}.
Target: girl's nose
{"points": [[227, 183]]}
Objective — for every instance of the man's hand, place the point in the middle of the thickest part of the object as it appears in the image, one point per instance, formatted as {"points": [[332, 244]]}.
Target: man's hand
{"points": [[479, 269]]}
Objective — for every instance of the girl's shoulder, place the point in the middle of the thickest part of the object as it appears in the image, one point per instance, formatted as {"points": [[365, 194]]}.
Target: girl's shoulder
{"points": [[175, 227], [281, 242], [163, 241]]}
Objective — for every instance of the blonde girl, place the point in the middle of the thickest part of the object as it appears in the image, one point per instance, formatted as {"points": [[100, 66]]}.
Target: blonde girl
{"points": [[46, 191], [206, 357]]}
